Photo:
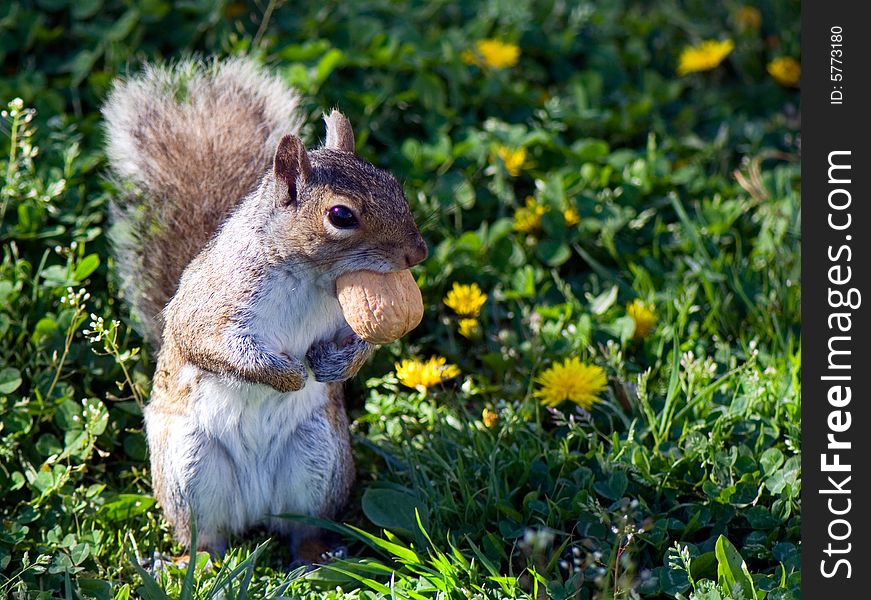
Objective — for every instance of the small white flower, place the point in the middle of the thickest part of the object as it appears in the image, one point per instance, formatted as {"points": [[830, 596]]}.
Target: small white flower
{"points": [[537, 539]]}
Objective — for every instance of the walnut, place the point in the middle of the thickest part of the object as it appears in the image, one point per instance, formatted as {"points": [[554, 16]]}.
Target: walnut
{"points": [[380, 307]]}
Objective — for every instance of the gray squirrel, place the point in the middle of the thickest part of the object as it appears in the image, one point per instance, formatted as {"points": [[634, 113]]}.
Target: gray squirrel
{"points": [[229, 236]]}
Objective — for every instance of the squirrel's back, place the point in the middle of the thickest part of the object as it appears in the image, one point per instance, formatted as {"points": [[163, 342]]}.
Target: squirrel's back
{"points": [[185, 143]]}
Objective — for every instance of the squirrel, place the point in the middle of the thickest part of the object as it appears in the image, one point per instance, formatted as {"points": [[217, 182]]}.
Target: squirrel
{"points": [[228, 237]]}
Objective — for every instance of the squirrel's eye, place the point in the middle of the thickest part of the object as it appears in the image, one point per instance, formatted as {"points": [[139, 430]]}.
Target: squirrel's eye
{"points": [[342, 217]]}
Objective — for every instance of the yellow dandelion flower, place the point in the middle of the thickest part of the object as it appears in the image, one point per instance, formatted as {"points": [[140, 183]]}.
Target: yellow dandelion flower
{"points": [[643, 316], [489, 417], [571, 216], [704, 57], [512, 159], [468, 328], [528, 218], [465, 300], [421, 375], [785, 70], [571, 380], [749, 17], [492, 53]]}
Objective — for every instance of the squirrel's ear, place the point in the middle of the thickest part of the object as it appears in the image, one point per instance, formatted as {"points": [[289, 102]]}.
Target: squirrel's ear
{"points": [[291, 166], [340, 136]]}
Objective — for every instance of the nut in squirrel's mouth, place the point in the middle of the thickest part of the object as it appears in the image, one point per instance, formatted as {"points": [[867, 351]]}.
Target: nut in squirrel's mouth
{"points": [[380, 307]]}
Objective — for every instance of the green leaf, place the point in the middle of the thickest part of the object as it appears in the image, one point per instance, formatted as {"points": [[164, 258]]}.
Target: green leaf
{"points": [[187, 586], [48, 444], [16, 421], [123, 26], [6, 290], [523, 282], [589, 149], [401, 552], [135, 446], [367, 581], [554, 225], [430, 90], [732, 572], [44, 329], [80, 552], [224, 578], [10, 380], [464, 195], [614, 487], [76, 442], [623, 328], [328, 63], [770, 461], [328, 578], [17, 481], [704, 566], [554, 253], [81, 66], [56, 276], [392, 509], [86, 266], [498, 230], [68, 416], [599, 304], [125, 506], [85, 9], [150, 589], [673, 582], [470, 242]]}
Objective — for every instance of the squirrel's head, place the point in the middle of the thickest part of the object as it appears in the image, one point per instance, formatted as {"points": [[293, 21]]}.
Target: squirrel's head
{"points": [[341, 212]]}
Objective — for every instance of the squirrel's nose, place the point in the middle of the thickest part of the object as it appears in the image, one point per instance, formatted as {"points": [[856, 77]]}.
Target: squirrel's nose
{"points": [[416, 254]]}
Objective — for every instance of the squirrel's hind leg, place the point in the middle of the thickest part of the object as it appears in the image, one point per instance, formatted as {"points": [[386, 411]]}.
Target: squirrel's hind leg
{"points": [[315, 479], [188, 470]]}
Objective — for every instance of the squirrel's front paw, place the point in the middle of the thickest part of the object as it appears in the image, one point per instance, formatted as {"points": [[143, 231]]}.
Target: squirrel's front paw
{"points": [[330, 362], [289, 375]]}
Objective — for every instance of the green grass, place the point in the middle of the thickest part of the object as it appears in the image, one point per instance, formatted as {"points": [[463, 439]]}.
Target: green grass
{"points": [[688, 194]]}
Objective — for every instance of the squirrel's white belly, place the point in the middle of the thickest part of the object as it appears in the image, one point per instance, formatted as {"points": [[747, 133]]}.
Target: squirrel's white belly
{"points": [[226, 407], [250, 451]]}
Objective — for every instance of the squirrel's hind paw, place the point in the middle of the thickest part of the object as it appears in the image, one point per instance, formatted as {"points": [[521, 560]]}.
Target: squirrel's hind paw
{"points": [[315, 551]]}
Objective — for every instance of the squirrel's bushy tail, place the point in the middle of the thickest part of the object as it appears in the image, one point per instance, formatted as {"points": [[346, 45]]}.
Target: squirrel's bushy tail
{"points": [[185, 144]]}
